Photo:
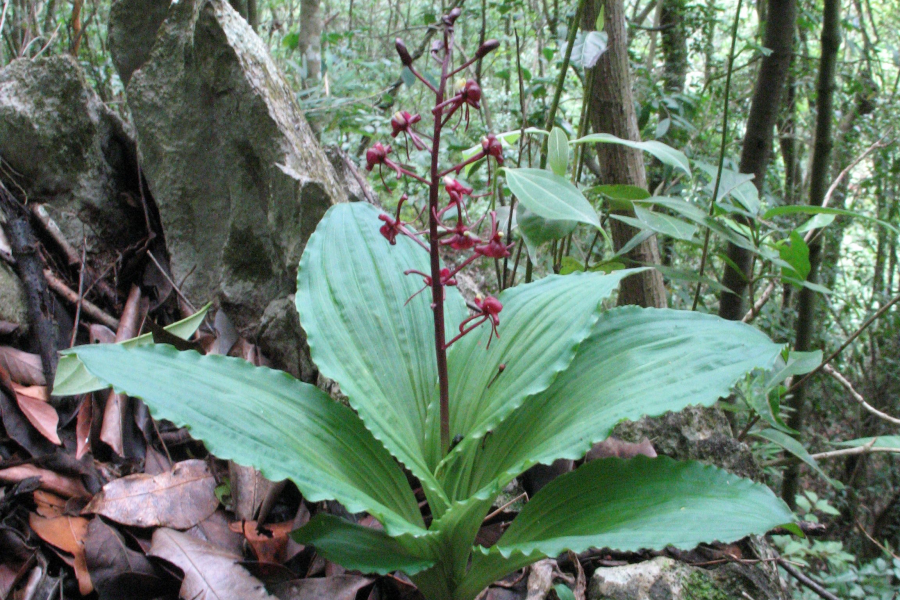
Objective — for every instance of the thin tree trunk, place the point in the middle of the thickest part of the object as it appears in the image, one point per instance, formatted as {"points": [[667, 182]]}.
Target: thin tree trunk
{"points": [[819, 181], [253, 15], [611, 110], [787, 138], [674, 44], [758, 138], [310, 42]]}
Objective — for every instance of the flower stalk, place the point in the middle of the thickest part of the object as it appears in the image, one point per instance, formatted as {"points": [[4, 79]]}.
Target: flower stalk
{"points": [[458, 237]]}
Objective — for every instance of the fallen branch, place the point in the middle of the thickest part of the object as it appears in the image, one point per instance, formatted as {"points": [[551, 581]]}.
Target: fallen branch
{"points": [[858, 397], [52, 229], [866, 449], [89, 308], [808, 582]]}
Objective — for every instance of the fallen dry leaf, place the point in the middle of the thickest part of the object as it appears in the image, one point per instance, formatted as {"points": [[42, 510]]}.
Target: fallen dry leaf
{"points": [[23, 367], [83, 424], [116, 570], [68, 487], [209, 573], [67, 534], [33, 401], [268, 542], [614, 447], [216, 530], [339, 587], [101, 334], [179, 498]]}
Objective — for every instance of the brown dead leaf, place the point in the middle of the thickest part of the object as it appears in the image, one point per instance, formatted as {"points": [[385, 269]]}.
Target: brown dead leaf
{"points": [[209, 573], [67, 534], [17, 425], [179, 498], [268, 542], [68, 487], [34, 402], [116, 570], [614, 447], [113, 421], [339, 587], [101, 334], [83, 423], [23, 367], [216, 530], [49, 505]]}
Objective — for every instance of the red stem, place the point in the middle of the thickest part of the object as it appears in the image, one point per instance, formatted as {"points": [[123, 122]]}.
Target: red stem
{"points": [[437, 288]]}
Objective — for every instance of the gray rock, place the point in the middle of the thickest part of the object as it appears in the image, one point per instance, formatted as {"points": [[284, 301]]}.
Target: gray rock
{"points": [[12, 299], [696, 433], [237, 175], [666, 579], [62, 146], [133, 25], [284, 341]]}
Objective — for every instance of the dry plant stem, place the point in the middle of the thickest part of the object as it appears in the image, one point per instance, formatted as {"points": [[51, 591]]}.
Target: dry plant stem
{"points": [[806, 581], [52, 229], [849, 341], [171, 282], [858, 397], [80, 293], [89, 308], [437, 288]]}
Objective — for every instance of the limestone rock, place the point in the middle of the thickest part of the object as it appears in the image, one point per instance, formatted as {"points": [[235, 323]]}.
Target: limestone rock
{"points": [[235, 171], [133, 25], [12, 299], [62, 146], [284, 341], [666, 579], [696, 433]]}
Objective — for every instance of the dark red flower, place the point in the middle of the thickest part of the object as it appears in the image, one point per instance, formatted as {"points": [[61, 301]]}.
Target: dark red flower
{"points": [[377, 155], [461, 238], [487, 309], [494, 248], [492, 147]]}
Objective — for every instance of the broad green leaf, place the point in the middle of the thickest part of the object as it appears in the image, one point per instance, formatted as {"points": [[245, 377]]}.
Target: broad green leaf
{"points": [[666, 154], [824, 210], [365, 549], [73, 379], [558, 151], [351, 295], [665, 224], [541, 327], [636, 362], [798, 363], [629, 505], [884, 441], [589, 46], [795, 252], [550, 196], [620, 197], [816, 222], [537, 230], [794, 447], [266, 419], [722, 227]]}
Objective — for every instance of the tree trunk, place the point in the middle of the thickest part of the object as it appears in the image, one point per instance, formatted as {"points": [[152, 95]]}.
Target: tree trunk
{"points": [[611, 110], [758, 138], [674, 44], [310, 42], [819, 180], [253, 15]]}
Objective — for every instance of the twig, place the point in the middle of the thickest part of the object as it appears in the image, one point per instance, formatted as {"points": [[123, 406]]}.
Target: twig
{"points": [[866, 449], [806, 581], [90, 309], [722, 146], [52, 229], [858, 397], [80, 292], [849, 341], [504, 507], [171, 282], [883, 548], [753, 312]]}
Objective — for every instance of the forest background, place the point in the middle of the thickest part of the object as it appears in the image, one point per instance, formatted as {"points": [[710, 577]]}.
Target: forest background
{"points": [[801, 94]]}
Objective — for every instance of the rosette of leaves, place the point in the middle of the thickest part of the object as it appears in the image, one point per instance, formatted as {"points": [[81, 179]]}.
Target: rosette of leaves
{"points": [[572, 371]]}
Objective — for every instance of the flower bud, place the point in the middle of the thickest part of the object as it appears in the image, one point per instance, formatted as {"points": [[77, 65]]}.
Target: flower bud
{"points": [[405, 58], [450, 19], [486, 48], [376, 155]]}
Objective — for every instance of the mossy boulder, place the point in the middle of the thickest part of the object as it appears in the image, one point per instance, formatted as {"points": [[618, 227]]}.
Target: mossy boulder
{"points": [[238, 177], [62, 146]]}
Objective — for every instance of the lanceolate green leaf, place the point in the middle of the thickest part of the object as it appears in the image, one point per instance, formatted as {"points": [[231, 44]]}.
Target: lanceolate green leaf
{"points": [[73, 379], [541, 327], [884, 441], [267, 419], [824, 210], [365, 549], [629, 505], [558, 151], [351, 291], [794, 447], [636, 362], [550, 196], [666, 154]]}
